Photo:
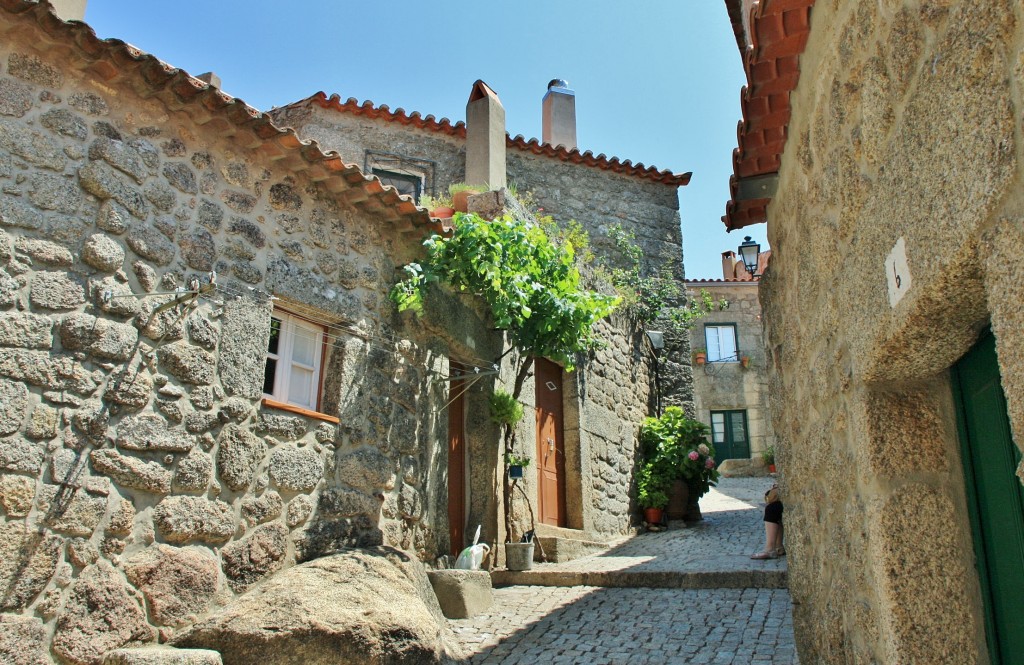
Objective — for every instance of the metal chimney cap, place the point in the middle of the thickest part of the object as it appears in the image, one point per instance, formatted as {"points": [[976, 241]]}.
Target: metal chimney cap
{"points": [[558, 83]]}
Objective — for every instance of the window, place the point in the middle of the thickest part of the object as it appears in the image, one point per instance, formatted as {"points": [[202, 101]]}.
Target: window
{"points": [[729, 434], [721, 342], [409, 175], [292, 372], [406, 183]]}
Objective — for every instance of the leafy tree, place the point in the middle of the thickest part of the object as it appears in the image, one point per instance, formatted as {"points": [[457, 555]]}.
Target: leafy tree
{"points": [[531, 284]]}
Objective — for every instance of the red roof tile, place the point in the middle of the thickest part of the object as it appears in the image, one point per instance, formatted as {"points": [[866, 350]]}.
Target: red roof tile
{"points": [[458, 129], [779, 31], [116, 61]]}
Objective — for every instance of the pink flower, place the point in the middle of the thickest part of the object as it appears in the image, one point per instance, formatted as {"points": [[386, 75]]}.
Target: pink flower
{"points": [[693, 455], [710, 463]]}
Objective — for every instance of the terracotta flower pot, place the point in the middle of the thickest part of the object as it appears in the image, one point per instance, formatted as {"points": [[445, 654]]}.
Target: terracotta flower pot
{"points": [[443, 212], [745, 361], [652, 515], [771, 468], [701, 358], [460, 200]]}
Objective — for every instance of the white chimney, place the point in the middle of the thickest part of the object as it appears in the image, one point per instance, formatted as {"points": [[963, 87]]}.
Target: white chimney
{"points": [[559, 121], [485, 138], [69, 10]]}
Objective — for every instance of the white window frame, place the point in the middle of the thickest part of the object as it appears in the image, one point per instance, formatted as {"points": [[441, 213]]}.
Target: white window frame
{"points": [[291, 327], [714, 332]]}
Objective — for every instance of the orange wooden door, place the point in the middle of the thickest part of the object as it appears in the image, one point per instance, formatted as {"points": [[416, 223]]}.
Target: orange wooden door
{"points": [[550, 447], [456, 459]]}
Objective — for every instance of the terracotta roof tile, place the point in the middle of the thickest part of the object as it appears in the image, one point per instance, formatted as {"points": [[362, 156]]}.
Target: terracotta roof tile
{"points": [[116, 61], [779, 32], [458, 130]]}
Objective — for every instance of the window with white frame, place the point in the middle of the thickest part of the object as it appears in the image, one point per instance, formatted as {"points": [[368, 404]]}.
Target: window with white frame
{"points": [[721, 343], [292, 372]]}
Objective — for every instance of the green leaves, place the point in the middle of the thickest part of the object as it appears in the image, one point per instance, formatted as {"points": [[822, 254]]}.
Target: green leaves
{"points": [[654, 296], [531, 285], [675, 446]]}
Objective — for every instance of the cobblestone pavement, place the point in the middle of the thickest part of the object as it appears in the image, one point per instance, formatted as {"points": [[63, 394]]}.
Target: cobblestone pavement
{"points": [[592, 625]]}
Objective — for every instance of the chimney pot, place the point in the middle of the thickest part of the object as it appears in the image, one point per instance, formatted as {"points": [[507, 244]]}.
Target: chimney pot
{"points": [[559, 115]]}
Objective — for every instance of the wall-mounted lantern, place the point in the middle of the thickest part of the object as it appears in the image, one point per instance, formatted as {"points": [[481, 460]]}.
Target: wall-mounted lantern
{"points": [[749, 251]]}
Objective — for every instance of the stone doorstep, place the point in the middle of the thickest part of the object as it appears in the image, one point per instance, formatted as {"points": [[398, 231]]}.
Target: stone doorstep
{"points": [[738, 579], [462, 594], [562, 544], [162, 655]]}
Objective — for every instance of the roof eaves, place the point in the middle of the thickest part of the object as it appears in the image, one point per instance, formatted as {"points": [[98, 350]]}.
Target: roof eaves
{"points": [[458, 130], [114, 61], [779, 32]]}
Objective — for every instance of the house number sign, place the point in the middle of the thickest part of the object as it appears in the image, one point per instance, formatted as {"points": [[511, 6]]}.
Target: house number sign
{"points": [[897, 272]]}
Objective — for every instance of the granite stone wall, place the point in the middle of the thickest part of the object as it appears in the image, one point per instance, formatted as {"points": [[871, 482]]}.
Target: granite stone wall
{"points": [[906, 126], [142, 481]]}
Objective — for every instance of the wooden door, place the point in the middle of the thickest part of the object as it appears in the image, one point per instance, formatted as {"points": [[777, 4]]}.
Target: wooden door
{"points": [[456, 459], [995, 498], [550, 447]]}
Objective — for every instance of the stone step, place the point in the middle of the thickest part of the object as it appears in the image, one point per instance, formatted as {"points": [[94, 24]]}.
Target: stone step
{"points": [[733, 579], [558, 550], [561, 544]]}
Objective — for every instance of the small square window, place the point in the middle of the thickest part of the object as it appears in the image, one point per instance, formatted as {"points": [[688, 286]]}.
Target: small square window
{"points": [[292, 371], [721, 343], [409, 184]]}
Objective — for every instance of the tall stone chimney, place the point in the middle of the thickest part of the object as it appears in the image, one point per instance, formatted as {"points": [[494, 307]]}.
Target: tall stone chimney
{"points": [[559, 121], [69, 10], [485, 138], [729, 265]]}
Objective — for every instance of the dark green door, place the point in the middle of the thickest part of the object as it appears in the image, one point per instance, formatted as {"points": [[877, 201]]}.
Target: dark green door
{"points": [[995, 496], [729, 434]]}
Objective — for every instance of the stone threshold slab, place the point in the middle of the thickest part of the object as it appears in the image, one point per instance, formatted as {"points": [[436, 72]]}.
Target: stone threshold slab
{"points": [[746, 579]]}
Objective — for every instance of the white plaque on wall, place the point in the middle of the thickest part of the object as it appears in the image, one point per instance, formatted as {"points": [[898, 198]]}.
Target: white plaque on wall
{"points": [[897, 272]]}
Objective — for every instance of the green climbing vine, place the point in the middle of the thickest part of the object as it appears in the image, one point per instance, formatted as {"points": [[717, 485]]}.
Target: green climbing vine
{"points": [[531, 285], [657, 295]]}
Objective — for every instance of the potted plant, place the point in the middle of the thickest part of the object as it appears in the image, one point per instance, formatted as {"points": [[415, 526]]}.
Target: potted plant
{"points": [[507, 411], [460, 193], [652, 483], [681, 444], [745, 361], [439, 207], [768, 455], [700, 356], [515, 465]]}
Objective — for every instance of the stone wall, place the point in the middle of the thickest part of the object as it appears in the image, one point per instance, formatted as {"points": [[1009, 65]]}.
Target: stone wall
{"points": [[730, 386], [142, 481], [906, 125], [611, 392]]}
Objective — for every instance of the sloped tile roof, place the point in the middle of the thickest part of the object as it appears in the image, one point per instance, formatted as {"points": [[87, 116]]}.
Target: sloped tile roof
{"points": [[114, 61], [458, 129], [779, 31]]}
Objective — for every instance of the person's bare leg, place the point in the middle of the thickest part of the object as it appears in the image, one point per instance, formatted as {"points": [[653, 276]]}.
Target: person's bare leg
{"points": [[771, 533], [780, 549]]}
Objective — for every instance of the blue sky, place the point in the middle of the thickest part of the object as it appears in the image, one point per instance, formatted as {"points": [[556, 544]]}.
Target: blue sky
{"points": [[656, 81]]}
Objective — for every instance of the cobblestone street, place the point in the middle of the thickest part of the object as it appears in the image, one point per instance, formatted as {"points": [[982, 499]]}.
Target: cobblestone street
{"points": [[619, 624]]}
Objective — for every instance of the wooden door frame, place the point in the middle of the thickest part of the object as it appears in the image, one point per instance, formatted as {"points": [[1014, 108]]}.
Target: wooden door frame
{"points": [[560, 461]]}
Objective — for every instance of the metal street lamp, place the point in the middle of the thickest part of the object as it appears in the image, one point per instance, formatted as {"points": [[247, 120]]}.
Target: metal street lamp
{"points": [[749, 252]]}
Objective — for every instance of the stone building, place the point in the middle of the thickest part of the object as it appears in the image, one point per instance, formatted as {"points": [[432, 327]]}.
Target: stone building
{"points": [[730, 391], [882, 143], [425, 155], [203, 384]]}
